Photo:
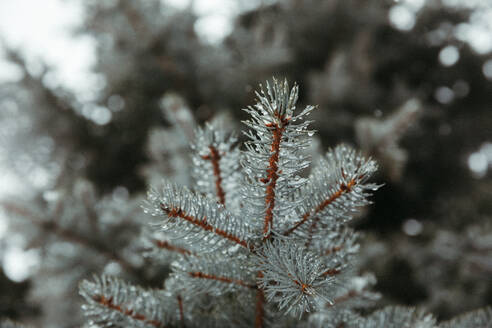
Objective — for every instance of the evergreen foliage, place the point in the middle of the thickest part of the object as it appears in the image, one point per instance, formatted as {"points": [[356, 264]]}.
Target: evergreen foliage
{"points": [[426, 237], [283, 241]]}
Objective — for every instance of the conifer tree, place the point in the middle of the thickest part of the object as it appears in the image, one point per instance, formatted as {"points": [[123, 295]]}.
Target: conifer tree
{"points": [[254, 241], [255, 244], [350, 59]]}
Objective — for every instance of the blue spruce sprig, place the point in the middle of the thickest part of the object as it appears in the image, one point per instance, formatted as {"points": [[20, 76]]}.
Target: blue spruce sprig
{"points": [[255, 236]]}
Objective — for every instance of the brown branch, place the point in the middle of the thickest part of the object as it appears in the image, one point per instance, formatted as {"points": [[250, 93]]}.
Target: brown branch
{"points": [[202, 275], [260, 306], [166, 245], [302, 285], [272, 175], [214, 158], [20, 211], [332, 250], [181, 312], [203, 224], [331, 272], [108, 302], [343, 189]]}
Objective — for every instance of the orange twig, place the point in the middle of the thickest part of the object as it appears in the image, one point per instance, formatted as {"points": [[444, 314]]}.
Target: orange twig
{"points": [[108, 302], [332, 250], [203, 224], [166, 245], [260, 306], [302, 285], [344, 188], [181, 312], [215, 157], [198, 274], [331, 272], [272, 175]]}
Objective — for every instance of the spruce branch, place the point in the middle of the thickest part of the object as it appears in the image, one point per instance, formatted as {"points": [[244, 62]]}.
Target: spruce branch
{"points": [[260, 304], [214, 158], [111, 301], [274, 154], [160, 248], [197, 219], [398, 317], [281, 244], [337, 188], [343, 318], [338, 242], [214, 276], [181, 311], [216, 164], [163, 244], [294, 278]]}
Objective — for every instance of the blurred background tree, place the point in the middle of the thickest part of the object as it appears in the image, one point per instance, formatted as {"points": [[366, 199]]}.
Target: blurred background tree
{"points": [[407, 81]]}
